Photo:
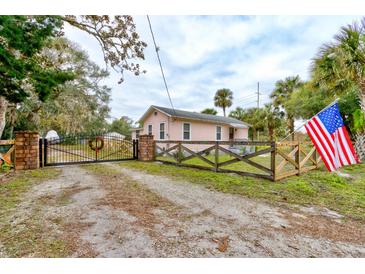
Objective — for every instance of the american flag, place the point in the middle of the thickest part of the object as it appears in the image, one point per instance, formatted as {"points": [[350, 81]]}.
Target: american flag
{"points": [[330, 137]]}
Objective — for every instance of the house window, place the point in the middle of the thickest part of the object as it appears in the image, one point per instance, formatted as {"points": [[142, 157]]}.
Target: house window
{"points": [[219, 133], [162, 131], [186, 131], [149, 129], [137, 134]]}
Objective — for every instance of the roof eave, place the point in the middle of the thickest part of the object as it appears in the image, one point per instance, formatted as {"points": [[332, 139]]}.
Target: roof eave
{"points": [[144, 116]]}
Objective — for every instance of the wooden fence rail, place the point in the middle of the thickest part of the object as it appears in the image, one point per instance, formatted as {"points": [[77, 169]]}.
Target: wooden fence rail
{"points": [[269, 160]]}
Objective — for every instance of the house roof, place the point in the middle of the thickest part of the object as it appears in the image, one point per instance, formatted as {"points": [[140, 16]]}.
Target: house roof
{"points": [[197, 116], [114, 134]]}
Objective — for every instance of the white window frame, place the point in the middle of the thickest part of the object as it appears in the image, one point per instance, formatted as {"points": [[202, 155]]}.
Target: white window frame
{"points": [[189, 132], [164, 131], [216, 133], [148, 129]]}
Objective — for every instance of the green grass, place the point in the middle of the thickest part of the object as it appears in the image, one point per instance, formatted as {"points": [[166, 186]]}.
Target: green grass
{"points": [[12, 189], [318, 187]]}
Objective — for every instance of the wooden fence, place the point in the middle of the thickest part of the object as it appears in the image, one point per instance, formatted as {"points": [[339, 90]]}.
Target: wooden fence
{"points": [[7, 153], [269, 160]]}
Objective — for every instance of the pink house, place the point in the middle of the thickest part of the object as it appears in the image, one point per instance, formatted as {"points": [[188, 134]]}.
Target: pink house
{"points": [[179, 125]]}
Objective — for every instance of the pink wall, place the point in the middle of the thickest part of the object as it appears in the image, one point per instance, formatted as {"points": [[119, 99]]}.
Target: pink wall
{"points": [[155, 121]]}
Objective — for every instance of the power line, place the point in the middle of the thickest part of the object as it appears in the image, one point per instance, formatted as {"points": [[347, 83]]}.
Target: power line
{"points": [[248, 103], [159, 61], [246, 98]]}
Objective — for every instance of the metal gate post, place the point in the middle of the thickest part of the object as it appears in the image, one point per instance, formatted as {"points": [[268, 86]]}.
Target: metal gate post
{"points": [[134, 149], [137, 149], [96, 149], [40, 152], [45, 149]]}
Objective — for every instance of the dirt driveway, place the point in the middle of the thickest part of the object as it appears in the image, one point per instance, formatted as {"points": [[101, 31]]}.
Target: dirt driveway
{"points": [[112, 211]]}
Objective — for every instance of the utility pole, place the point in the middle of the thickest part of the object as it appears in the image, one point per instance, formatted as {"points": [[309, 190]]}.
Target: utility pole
{"points": [[258, 94], [258, 105]]}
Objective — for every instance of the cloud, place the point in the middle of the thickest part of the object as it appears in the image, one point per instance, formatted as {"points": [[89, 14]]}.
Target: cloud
{"points": [[201, 54]]}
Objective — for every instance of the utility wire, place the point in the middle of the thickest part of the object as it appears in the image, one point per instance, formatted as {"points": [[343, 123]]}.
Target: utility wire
{"points": [[159, 61], [245, 97], [245, 100]]}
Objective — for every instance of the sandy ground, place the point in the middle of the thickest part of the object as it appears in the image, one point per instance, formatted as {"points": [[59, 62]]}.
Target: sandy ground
{"points": [[129, 213]]}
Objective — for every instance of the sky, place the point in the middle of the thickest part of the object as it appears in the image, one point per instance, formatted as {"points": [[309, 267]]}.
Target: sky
{"points": [[201, 54]]}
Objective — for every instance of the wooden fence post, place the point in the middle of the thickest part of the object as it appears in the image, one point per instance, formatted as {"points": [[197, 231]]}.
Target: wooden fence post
{"points": [[315, 157], [273, 160], [179, 151], [297, 157], [216, 156]]}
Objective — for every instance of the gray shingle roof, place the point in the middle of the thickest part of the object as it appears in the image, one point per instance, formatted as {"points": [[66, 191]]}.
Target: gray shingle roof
{"points": [[200, 116]]}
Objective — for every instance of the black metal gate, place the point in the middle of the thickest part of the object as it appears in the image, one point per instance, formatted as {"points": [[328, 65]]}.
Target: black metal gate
{"points": [[86, 149]]}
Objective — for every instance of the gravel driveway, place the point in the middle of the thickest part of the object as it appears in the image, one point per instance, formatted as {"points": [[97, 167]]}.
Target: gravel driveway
{"points": [[126, 213]]}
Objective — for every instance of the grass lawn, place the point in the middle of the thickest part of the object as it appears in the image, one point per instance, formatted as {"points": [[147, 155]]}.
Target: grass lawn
{"points": [[319, 187]]}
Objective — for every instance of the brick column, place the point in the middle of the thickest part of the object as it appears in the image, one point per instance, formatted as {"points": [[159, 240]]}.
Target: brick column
{"points": [[146, 148], [26, 150]]}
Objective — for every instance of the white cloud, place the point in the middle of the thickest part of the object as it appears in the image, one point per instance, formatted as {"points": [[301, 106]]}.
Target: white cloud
{"points": [[203, 53]]}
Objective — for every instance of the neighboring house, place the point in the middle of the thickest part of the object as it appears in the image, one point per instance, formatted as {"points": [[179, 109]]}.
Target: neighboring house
{"points": [[179, 125], [114, 135]]}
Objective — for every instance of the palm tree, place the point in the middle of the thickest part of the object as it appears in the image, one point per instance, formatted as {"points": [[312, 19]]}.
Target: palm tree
{"points": [[223, 99], [254, 116], [340, 65], [273, 118], [211, 111], [281, 95]]}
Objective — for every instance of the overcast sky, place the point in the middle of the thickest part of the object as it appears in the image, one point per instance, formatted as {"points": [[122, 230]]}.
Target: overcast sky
{"points": [[201, 54]]}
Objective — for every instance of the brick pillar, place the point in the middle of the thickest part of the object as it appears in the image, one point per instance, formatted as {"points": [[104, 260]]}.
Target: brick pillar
{"points": [[26, 150], [146, 148]]}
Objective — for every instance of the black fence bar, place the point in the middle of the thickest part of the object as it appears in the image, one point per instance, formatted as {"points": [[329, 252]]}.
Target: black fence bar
{"points": [[40, 152], [45, 150]]}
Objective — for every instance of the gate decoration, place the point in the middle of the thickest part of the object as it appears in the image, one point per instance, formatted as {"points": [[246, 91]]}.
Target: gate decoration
{"points": [[97, 144], [86, 149]]}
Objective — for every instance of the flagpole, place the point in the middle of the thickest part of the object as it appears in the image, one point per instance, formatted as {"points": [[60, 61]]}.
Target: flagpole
{"points": [[334, 102]]}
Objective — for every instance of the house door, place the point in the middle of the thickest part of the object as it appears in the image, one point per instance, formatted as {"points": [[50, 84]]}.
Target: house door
{"points": [[231, 133]]}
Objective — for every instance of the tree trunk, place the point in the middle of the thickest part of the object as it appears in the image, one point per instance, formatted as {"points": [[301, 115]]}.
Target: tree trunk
{"points": [[254, 134], [360, 137], [360, 146], [271, 134], [3, 108], [291, 127], [224, 111]]}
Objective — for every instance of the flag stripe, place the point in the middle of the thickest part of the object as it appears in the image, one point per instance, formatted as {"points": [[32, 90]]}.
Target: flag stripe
{"points": [[347, 147], [319, 148], [344, 131], [327, 139], [325, 146], [326, 135], [342, 156], [344, 148]]}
